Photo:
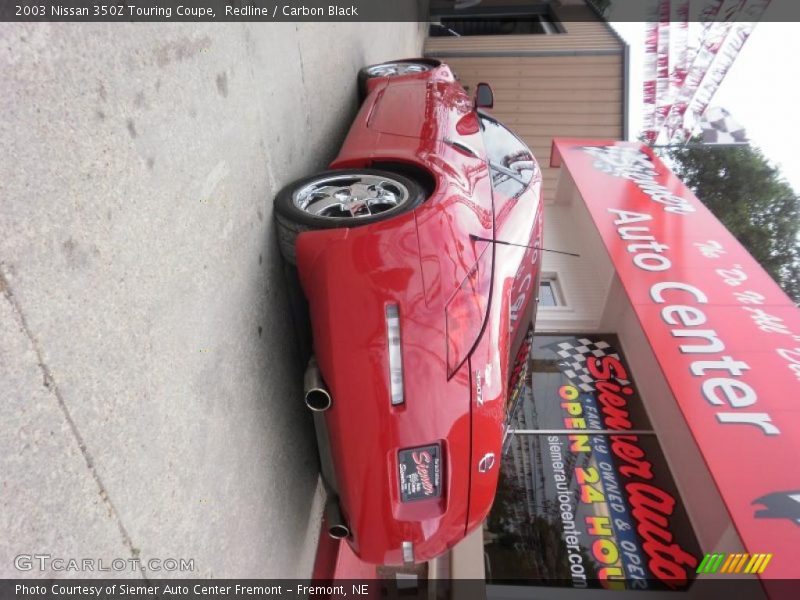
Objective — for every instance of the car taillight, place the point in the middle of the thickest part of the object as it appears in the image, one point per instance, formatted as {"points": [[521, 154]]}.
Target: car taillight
{"points": [[395, 355], [466, 311], [408, 553]]}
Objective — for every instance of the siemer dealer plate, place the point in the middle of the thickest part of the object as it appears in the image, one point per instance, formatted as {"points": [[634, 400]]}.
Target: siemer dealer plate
{"points": [[420, 472]]}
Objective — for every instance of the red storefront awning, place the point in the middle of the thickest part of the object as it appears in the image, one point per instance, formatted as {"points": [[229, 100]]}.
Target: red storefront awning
{"points": [[725, 335]]}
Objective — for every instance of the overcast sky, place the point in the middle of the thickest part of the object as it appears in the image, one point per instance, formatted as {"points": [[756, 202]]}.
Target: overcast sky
{"points": [[761, 90]]}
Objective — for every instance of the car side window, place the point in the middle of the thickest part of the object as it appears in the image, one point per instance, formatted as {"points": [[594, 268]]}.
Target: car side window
{"points": [[511, 161]]}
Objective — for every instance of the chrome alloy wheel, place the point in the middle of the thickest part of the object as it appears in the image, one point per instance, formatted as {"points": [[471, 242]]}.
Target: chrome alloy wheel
{"points": [[397, 68], [350, 196]]}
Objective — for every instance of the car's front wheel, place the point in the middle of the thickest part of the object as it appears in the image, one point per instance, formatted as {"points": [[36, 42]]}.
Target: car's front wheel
{"points": [[342, 198]]}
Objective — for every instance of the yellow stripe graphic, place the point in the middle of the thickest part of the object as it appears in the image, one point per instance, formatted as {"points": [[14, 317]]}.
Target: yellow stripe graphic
{"points": [[764, 564], [741, 563], [753, 564]]}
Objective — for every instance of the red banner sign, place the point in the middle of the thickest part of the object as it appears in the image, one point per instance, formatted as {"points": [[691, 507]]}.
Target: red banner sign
{"points": [[683, 70], [725, 336]]}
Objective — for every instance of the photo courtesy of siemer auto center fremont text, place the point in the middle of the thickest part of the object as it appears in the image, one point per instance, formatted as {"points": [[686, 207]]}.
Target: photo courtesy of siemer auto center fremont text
{"points": [[426, 299]]}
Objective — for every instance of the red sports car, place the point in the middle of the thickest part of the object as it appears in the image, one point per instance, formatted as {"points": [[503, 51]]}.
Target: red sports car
{"points": [[418, 252]]}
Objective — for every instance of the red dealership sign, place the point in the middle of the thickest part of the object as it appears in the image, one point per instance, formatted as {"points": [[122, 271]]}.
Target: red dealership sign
{"points": [[725, 336]]}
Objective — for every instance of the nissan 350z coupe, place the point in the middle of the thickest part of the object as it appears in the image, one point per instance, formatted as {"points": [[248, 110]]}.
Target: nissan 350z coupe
{"points": [[418, 252]]}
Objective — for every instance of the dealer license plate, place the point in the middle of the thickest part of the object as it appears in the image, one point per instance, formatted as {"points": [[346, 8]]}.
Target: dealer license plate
{"points": [[420, 473]]}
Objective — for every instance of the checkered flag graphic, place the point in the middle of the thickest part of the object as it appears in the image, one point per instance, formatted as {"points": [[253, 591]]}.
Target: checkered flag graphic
{"points": [[573, 354], [717, 127]]}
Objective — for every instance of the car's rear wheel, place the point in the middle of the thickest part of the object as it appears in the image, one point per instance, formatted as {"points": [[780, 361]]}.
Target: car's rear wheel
{"points": [[342, 198], [394, 68]]}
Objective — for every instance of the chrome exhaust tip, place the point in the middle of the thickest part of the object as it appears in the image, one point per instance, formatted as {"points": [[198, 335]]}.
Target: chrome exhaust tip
{"points": [[317, 397], [339, 532], [336, 525]]}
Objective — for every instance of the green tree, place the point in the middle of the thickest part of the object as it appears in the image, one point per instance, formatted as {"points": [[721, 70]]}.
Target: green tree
{"points": [[752, 200]]}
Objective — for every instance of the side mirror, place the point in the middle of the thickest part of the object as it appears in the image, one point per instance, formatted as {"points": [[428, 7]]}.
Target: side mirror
{"points": [[484, 97]]}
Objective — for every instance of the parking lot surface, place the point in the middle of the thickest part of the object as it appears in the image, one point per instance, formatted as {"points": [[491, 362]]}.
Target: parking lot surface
{"points": [[151, 400]]}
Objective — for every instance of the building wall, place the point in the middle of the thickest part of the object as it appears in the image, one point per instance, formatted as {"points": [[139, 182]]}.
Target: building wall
{"points": [[569, 84], [584, 281]]}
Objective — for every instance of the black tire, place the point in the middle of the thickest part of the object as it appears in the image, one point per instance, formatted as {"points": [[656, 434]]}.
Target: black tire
{"points": [[290, 220], [364, 73]]}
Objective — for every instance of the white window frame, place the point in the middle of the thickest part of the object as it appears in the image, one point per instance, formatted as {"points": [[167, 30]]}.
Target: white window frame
{"points": [[557, 289]]}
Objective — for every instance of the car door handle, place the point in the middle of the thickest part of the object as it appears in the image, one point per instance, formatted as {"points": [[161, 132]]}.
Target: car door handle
{"points": [[461, 146]]}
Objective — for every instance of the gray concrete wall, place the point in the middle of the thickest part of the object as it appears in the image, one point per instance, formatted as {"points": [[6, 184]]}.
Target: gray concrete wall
{"points": [[150, 401]]}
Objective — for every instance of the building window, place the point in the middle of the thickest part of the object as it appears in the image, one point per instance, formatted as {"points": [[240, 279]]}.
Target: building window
{"points": [[584, 487], [476, 17], [535, 24], [550, 292]]}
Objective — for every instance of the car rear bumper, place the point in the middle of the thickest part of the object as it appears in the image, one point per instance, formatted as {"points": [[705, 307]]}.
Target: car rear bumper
{"points": [[349, 276]]}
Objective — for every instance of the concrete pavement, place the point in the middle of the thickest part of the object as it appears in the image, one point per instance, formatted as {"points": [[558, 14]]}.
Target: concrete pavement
{"points": [[150, 402]]}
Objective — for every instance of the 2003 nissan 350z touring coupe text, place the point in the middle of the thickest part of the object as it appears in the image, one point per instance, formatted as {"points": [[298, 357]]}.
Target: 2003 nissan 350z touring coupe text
{"points": [[421, 320]]}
